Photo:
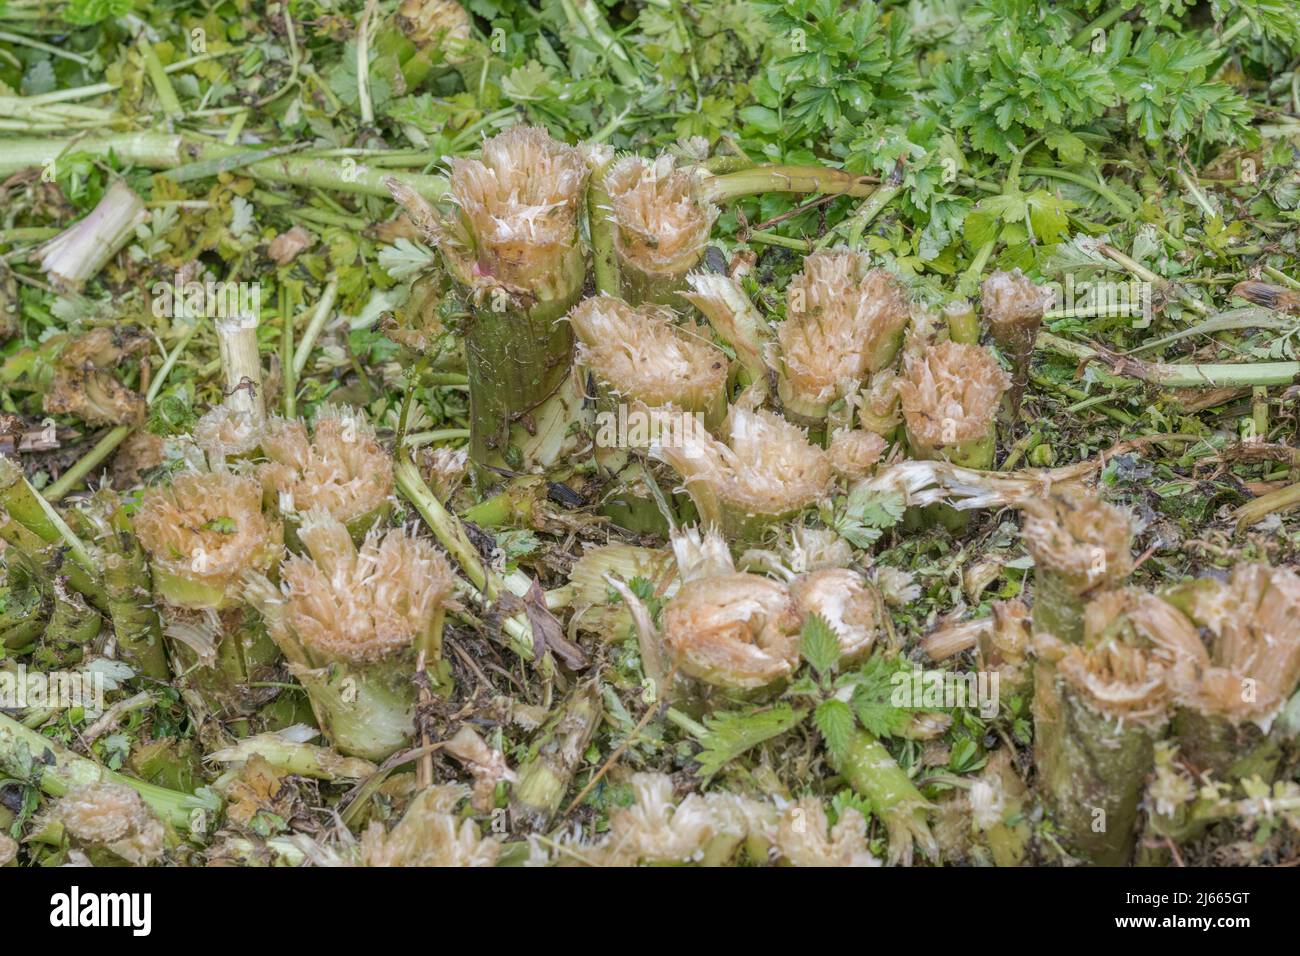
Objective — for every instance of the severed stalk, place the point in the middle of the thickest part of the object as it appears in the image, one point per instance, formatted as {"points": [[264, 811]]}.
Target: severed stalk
{"points": [[129, 588], [661, 227], [353, 622], [1081, 546], [735, 320], [56, 770], [554, 755], [1269, 296], [872, 771], [203, 533], [639, 356], [1013, 306], [342, 470], [242, 367], [950, 394], [1099, 706], [1229, 696], [843, 323], [735, 631], [638, 360], [514, 250], [76, 255], [764, 472]]}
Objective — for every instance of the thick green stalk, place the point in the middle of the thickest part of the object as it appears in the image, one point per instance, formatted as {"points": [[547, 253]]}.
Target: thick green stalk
{"points": [[72, 625], [600, 227], [1059, 601], [963, 324], [519, 359], [365, 711], [239, 676], [873, 773], [130, 601], [1228, 750], [167, 151], [28, 755], [1181, 375], [1092, 770]]}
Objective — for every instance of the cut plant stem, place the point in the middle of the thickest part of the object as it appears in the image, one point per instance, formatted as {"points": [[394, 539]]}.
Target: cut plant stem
{"points": [[129, 591], [1181, 375], [1014, 307], [451, 534], [950, 395], [57, 770], [1098, 709], [735, 320], [660, 227], [764, 472], [1081, 546], [1281, 501], [754, 180], [242, 366], [33, 512], [547, 771], [872, 771], [171, 151], [514, 250], [342, 469], [1230, 696], [76, 255], [963, 324], [735, 631], [600, 225], [863, 216], [353, 622], [844, 322]]}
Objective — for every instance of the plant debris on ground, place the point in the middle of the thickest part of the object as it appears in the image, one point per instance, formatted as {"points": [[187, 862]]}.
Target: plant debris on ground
{"points": [[632, 432]]}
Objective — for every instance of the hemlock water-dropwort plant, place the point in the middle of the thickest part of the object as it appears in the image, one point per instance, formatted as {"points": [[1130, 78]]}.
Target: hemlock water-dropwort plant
{"points": [[629, 398]]}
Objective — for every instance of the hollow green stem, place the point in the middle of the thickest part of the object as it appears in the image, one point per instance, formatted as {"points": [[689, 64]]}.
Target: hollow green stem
{"points": [[56, 770]]}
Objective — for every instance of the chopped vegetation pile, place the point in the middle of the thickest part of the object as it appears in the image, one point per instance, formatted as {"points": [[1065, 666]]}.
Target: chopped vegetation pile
{"points": [[635, 432]]}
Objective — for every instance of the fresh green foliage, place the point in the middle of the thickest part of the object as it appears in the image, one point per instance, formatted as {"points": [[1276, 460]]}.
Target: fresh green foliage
{"points": [[874, 694], [867, 513], [86, 12], [733, 733], [819, 646]]}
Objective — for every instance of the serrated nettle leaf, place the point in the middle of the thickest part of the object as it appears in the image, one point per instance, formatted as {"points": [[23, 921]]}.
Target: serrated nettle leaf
{"points": [[819, 645], [835, 722]]}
